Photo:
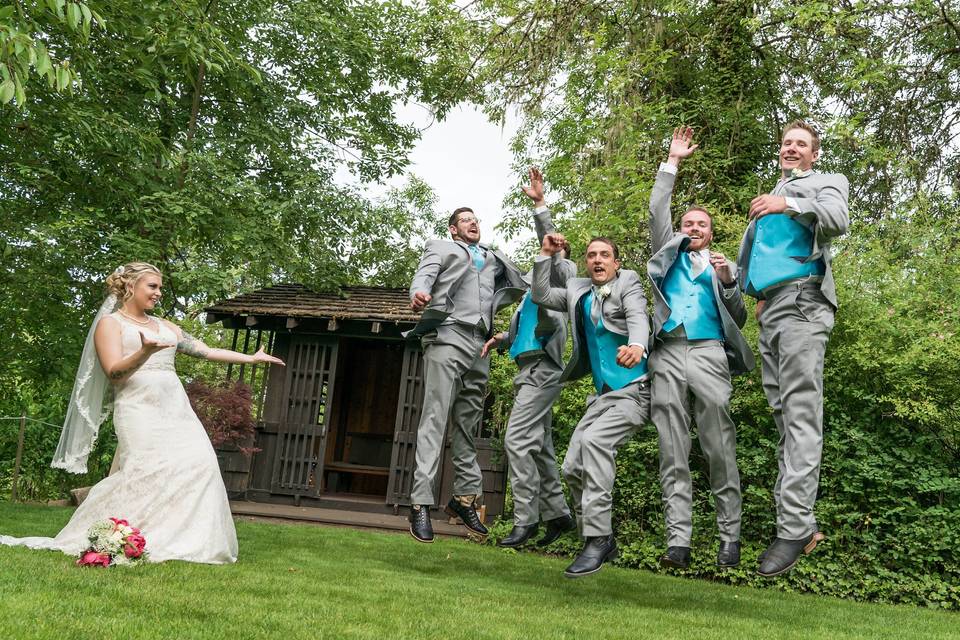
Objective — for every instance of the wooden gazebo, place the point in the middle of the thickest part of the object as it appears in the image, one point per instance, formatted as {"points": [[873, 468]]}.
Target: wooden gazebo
{"points": [[337, 426]]}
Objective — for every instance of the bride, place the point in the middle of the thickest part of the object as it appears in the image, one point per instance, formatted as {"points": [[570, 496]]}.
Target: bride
{"points": [[165, 479]]}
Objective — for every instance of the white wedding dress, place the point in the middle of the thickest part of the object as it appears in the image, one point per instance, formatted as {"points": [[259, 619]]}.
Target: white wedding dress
{"points": [[166, 480]]}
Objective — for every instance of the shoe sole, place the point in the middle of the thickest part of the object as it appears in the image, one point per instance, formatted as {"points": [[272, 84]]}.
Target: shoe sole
{"points": [[613, 555], [728, 566], [810, 546], [668, 564], [512, 546]]}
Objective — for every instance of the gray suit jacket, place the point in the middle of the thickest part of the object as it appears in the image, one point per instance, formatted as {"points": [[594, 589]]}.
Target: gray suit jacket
{"points": [[624, 311], [443, 266], [666, 246], [549, 322], [822, 202]]}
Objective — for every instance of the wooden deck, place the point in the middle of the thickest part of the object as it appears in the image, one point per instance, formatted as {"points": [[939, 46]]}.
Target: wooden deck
{"points": [[341, 517]]}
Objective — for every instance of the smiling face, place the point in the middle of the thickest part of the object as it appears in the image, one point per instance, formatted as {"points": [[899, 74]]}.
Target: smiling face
{"points": [[797, 151], [697, 224], [466, 228], [146, 292], [602, 263]]}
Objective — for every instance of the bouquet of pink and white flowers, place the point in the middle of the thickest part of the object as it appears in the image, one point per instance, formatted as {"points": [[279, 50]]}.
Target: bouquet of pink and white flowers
{"points": [[113, 541]]}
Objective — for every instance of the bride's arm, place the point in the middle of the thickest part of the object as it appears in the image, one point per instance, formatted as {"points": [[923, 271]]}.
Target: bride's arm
{"points": [[110, 352], [190, 346]]}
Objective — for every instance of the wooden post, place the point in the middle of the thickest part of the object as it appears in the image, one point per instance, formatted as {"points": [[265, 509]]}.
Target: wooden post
{"points": [[16, 464]]}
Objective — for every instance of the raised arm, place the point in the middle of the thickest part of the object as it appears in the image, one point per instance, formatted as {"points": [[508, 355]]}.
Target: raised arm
{"points": [[681, 147], [542, 292], [188, 345], [542, 220]]}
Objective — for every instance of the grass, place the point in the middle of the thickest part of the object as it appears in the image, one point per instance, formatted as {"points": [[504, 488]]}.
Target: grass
{"points": [[302, 581]]}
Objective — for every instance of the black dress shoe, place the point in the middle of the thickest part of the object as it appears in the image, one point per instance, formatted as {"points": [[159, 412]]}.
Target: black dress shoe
{"points": [[676, 558], [519, 535], [728, 555], [420, 526], [595, 552], [556, 528], [783, 554], [468, 514]]}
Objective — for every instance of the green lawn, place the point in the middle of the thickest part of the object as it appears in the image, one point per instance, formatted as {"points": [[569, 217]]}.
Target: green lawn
{"points": [[301, 581]]}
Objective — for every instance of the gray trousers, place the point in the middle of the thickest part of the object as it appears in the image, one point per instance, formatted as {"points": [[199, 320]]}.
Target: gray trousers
{"points": [[794, 327], [682, 368], [455, 379], [591, 462], [534, 477]]}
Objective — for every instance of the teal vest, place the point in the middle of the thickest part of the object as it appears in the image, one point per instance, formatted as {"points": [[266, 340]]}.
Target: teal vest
{"points": [[526, 339], [602, 346], [692, 302], [780, 244]]}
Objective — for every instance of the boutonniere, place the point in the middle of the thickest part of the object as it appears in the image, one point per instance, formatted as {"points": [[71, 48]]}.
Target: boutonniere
{"points": [[797, 172], [604, 291]]}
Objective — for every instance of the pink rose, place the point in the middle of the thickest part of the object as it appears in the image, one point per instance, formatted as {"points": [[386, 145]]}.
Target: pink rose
{"points": [[93, 558], [120, 522], [134, 546]]}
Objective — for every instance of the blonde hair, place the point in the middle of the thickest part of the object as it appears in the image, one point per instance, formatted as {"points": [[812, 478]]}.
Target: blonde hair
{"points": [[800, 124], [122, 281]]}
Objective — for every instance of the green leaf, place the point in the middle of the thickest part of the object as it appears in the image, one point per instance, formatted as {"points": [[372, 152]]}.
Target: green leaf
{"points": [[6, 12], [87, 15], [73, 15], [43, 65], [7, 89], [63, 78]]}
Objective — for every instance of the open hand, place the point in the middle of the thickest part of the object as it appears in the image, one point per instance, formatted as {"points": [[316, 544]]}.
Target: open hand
{"points": [[722, 268], [681, 146], [151, 346], [491, 344], [420, 300], [535, 190], [628, 356], [767, 203], [262, 356]]}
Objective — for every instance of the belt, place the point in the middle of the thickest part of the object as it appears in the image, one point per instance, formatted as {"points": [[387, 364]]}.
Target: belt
{"points": [[811, 282]]}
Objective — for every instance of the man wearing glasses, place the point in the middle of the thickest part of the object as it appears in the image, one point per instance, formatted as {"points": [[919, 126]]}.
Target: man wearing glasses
{"points": [[458, 286]]}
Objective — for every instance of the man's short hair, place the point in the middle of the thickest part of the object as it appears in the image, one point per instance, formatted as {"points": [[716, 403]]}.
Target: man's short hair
{"points": [[456, 214], [800, 124], [606, 240], [697, 207]]}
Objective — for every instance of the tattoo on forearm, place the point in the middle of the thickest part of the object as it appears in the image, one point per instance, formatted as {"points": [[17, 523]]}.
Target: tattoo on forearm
{"points": [[117, 375], [192, 347]]}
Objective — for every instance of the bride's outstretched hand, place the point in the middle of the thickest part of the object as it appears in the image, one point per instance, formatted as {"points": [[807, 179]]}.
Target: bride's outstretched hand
{"points": [[151, 346], [263, 356]]}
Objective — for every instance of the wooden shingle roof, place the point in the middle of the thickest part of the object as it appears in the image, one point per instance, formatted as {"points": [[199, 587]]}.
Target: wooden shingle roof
{"points": [[297, 301]]}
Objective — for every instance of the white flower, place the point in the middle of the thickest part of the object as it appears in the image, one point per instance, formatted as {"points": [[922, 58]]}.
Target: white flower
{"points": [[797, 172], [604, 291]]}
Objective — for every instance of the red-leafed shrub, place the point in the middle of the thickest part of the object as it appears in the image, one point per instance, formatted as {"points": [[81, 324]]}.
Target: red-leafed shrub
{"points": [[226, 412]]}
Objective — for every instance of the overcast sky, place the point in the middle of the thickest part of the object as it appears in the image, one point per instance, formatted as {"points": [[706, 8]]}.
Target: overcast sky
{"points": [[466, 160]]}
